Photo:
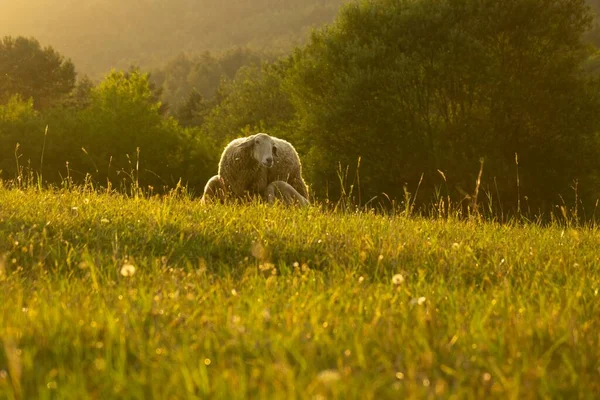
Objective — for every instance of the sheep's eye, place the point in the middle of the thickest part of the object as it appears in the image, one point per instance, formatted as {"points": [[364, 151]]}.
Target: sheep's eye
{"points": [[274, 150]]}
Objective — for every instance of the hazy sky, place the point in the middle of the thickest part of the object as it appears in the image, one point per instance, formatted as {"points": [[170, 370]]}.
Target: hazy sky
{"points": [[100, 34]]}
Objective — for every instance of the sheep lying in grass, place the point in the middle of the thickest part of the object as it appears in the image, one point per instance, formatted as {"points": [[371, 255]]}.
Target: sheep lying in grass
{"points": [[283, 191], [249, 166]]}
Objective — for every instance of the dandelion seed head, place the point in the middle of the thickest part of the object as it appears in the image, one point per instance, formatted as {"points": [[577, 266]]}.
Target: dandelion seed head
{"points": [[397, 279], [329, 376], [127, 270], [100, 364], [258, 250], [417, 301], [266, 315]]}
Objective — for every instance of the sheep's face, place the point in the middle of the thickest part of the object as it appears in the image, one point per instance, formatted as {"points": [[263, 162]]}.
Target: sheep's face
{"points": [[263, 149]]}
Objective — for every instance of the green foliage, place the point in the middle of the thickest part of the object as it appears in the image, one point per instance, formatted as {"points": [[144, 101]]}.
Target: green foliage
{"points": [[16, 109], [253, 102], [414, 87], [112, 133], [186, 76], [16, 117], [104, 296], [34, 72]]}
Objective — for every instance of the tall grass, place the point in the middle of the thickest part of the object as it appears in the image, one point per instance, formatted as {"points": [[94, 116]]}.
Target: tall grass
{"points": [[104, 295]]}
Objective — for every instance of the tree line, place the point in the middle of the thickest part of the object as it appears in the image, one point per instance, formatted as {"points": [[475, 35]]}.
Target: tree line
{"points": [[394, 96]]}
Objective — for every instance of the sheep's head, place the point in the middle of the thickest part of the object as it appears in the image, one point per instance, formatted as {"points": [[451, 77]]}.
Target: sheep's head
{"points": [[263, 148]]}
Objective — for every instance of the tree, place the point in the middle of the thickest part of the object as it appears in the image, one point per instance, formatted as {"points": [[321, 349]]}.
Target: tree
{"points": [[123, 116], [32, 71], [17, 118], [254, 101], [193, 110], [414, 87]]}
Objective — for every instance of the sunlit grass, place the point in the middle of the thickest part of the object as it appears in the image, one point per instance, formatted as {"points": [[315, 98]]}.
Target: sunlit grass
{"points": [[105, 296]]}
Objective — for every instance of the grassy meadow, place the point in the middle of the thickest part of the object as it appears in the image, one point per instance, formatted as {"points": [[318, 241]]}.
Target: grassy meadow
{"points": [[109, 296]]}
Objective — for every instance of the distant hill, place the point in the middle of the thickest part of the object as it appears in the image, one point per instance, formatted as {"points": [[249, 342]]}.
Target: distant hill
{"points": [[100, 34]]}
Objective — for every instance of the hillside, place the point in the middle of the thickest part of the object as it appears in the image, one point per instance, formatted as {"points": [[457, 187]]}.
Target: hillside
{"points": [[98, 35]]}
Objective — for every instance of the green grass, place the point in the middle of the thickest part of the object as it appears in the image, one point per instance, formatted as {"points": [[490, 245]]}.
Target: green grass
{"points": [[267, 302]]}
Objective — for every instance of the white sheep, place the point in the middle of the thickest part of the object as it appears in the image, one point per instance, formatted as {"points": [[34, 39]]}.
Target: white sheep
{"points": [[249, 166], [283, 191]]}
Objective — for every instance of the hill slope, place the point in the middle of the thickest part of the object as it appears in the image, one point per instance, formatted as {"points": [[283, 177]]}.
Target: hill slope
{"points": [[98, 35]]}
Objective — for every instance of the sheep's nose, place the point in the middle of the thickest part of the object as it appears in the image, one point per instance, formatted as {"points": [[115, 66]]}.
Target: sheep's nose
{"points": [[269, 161]]}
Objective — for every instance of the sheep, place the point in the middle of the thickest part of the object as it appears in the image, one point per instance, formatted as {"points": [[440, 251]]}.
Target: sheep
{"points": [[280, 190], [248, 165], [287, 167], [214, 189]]}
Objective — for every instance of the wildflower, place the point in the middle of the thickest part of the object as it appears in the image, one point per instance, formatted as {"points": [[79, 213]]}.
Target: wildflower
{"points": [[455, 246], [397, 279], [105, 220], [127, 269]]}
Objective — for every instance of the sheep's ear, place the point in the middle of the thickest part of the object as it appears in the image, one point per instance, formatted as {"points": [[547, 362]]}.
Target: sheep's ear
{"points": [[249, 141]]}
